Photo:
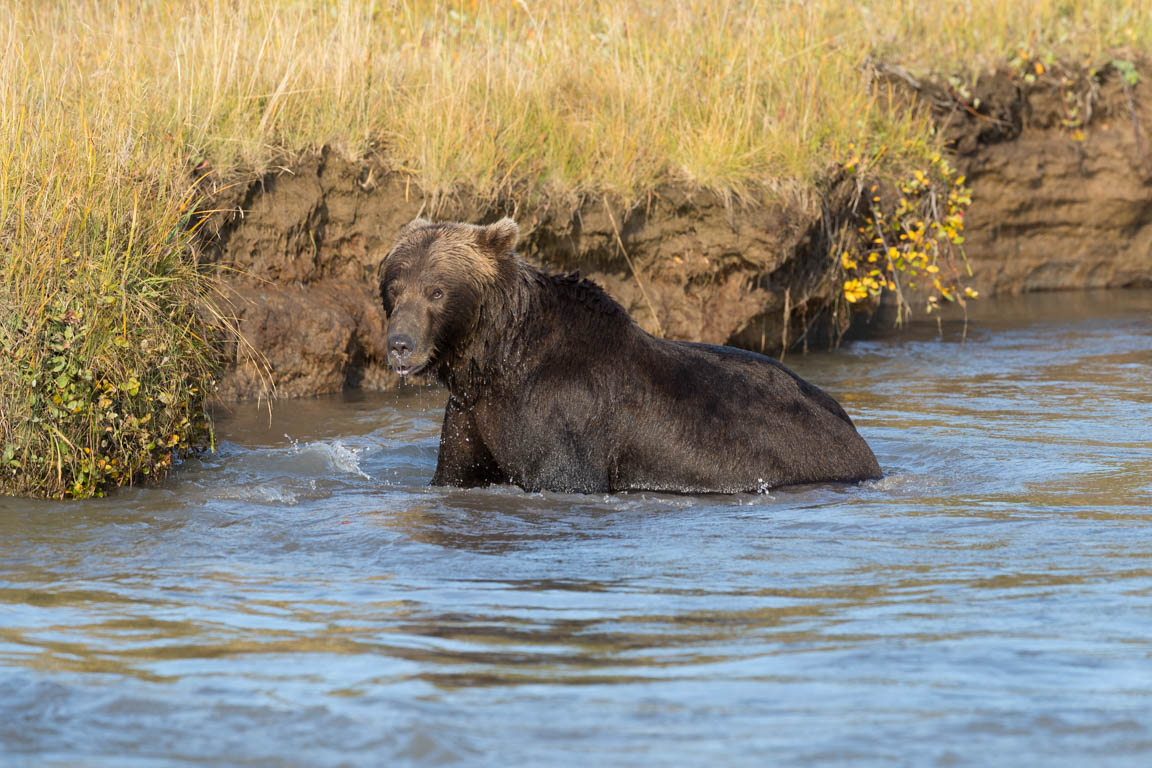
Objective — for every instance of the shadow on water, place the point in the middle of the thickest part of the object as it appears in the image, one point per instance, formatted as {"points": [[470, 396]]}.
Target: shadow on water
{"points": [[302, 597]]}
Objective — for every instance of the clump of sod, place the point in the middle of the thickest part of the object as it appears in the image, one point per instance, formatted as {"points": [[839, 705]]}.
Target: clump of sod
{"points": [[105, 360]]}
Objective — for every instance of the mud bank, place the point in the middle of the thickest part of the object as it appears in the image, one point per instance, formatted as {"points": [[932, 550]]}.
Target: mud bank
{"points": [[1061, 171], [1060, 167], [301, 262]]}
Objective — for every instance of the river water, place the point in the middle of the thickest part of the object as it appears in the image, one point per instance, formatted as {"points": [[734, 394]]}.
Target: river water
{"points": [[303, 598]]}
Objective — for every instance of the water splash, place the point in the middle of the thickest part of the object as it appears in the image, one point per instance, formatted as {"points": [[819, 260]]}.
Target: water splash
{"points": [[347, 459]]}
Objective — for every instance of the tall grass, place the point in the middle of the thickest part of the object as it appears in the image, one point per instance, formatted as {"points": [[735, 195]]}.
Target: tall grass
{"points": [[565, 94], [104, 353], [108, 107]]}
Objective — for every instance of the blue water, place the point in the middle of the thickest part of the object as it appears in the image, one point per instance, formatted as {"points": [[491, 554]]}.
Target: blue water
{"points": [[302, 598]]}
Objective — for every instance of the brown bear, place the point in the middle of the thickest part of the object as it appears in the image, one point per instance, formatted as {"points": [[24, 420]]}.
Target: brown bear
{"points": [[553, 386]]}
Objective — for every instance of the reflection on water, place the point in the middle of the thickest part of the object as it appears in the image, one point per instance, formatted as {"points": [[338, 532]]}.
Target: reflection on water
{"points": [[303, 598]]}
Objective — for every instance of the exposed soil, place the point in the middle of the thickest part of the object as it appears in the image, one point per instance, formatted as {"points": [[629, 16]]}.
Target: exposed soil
{"points": [[1055, 206], [1061, 171], [303, 255]]}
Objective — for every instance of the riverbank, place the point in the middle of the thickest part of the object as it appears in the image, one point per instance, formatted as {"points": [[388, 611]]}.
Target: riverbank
{"points": [[731, 173], [1058, 168]]}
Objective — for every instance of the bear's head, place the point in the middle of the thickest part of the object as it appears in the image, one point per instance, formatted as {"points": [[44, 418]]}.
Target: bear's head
{"points": [[432, 283]]}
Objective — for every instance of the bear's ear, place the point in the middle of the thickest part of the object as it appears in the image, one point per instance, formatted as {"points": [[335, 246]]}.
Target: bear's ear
{"points": [[498, 238]]}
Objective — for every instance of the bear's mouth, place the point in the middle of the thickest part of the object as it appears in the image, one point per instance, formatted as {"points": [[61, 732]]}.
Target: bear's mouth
{"points": [[408, 368]]}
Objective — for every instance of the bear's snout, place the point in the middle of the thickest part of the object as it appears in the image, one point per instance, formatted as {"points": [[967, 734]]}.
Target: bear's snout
{"points": [[400, 344], [400, 352]]}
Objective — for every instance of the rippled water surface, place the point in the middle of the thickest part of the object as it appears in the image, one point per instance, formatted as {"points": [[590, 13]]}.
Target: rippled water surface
{"points": [[303, 598]]}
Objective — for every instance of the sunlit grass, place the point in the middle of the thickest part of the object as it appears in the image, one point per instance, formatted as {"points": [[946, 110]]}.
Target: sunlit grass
{"points": [[567, 96], [104, 355], [107, 107]]}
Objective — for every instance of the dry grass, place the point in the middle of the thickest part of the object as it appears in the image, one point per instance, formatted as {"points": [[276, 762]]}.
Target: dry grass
{"points": [[570, 95], [104, 357], [108, 106]]}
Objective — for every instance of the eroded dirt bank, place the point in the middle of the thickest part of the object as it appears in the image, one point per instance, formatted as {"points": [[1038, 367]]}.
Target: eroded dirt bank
{"points": [[1061, 171], [302, 261]]}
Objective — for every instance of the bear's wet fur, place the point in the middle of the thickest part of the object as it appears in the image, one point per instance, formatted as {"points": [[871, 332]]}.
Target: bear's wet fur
{"points": [[553, 386]]}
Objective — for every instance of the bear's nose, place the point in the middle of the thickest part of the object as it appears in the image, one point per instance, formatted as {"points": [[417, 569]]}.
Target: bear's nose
{"points": [[400, 345]]}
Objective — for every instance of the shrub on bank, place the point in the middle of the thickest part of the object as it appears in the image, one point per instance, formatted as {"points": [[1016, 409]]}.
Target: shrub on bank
{"points": [[105, 352], [103, 370]]}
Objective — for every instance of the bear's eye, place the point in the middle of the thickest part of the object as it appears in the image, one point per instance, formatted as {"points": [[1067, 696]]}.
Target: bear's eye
{"points": [[437, 295]]}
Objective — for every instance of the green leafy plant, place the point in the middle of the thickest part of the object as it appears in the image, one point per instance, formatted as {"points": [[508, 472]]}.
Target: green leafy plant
{"points": [[1127, 70]]}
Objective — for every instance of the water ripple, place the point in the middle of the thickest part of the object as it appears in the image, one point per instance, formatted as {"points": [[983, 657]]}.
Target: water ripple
{"points": [[302, 597]]}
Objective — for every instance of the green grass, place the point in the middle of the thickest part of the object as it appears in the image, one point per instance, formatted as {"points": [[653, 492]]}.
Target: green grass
{"points": [[108, 107]]}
